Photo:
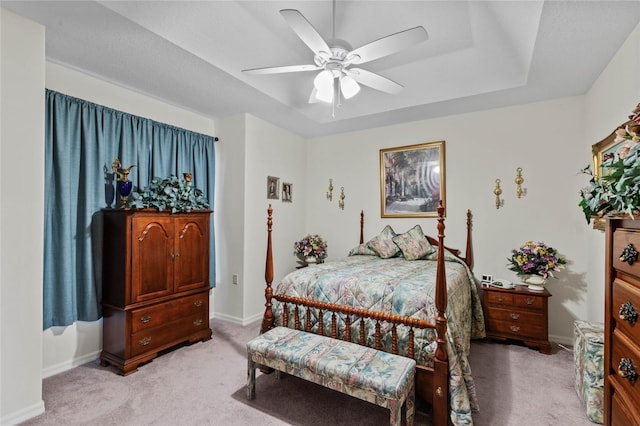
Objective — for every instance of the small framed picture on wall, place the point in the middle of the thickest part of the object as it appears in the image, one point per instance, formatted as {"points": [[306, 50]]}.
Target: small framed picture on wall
{"points": [[273, 188], [287, 192]]}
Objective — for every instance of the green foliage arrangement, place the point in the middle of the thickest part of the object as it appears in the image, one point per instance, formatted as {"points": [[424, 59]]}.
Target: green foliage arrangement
{"points": [[616, 189], [170, 193]]}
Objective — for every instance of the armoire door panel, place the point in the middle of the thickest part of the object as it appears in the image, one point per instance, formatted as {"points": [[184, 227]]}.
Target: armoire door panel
{"points": [[152, 258]]}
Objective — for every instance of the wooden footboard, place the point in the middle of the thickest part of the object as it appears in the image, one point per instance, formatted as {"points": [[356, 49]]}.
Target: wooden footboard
{"points": [[432, 384]]}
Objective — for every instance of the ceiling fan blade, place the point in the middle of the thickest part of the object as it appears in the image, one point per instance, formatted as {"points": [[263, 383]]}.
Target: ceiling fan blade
{"points": [[305, 31], [387, 45], [313, 99], [279, 70], [374, 81]]}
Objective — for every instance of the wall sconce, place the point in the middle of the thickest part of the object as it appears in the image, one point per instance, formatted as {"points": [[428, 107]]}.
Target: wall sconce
{"points": [[341, 201], [519, 182], [330, 190], [498, 191]]}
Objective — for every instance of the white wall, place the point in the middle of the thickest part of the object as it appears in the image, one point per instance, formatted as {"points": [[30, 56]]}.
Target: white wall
{"points": [[229, 218], [271, 151], [608, 103], [21, 217], [254, 149], [542, 138]]}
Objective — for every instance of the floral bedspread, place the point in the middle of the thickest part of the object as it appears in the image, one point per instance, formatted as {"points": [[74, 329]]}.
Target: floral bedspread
{"points": [[406, 288]]}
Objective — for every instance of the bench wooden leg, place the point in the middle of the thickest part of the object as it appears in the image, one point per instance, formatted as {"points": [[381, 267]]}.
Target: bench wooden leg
{"points": [[251, 378]]}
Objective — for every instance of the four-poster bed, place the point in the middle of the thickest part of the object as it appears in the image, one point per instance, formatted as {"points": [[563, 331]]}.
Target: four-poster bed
{"points": [[382, 300]]}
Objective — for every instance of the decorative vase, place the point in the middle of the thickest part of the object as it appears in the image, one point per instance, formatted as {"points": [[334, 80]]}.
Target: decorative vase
{"points": [[123, 183], [534, 282], [311, 259], [124, 189]]}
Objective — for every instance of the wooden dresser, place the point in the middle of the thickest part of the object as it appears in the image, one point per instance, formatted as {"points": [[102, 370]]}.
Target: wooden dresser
{"points": [[621, 328], [518, 314], [155, 288]]}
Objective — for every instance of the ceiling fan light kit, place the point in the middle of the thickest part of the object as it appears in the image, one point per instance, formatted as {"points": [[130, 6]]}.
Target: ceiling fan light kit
{"points": [[333, 61]]}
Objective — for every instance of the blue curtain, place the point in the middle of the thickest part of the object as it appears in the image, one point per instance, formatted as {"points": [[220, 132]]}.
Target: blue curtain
{"points": [[82, 139]]}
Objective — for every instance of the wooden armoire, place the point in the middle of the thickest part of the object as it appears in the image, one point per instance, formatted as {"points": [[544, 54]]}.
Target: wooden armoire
{"points": [[155, 285], [621, 328]]}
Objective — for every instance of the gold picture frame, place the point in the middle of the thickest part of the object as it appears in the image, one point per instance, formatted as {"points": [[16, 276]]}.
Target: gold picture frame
{"points": [[605, 149], [601, 152], [412, 180]]}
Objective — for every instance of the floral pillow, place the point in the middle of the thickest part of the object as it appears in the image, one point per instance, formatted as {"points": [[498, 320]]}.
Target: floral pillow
{"points": [[362, 249], [383, 245], [414, 244]]}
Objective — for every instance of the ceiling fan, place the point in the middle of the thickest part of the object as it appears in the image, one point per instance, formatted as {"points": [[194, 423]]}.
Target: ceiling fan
{"points": [[335, 59]]}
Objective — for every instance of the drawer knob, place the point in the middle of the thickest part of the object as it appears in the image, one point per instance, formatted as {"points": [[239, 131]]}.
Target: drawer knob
{"points": [[145, 319], [529, 301], [514, 315], [197, 322], [145, 341], [629, 255], [197, 303], [628, 313], [627, 370], [514, 328], [500, 298]]}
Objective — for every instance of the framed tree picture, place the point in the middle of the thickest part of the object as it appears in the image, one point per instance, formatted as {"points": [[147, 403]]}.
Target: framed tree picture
{"points": [[412, 180]]}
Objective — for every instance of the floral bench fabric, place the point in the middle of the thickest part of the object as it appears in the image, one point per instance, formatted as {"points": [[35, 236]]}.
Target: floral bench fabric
{"points": [[588, 355], [371, 375]]}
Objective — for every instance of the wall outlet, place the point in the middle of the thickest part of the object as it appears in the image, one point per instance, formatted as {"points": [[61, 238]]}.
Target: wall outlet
{"points": [[235, 279]]}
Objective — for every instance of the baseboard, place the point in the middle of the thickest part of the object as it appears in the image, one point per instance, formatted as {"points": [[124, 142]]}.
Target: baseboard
{"points": [[240, 321], [23, 415], [568, 341], [68, 365]]}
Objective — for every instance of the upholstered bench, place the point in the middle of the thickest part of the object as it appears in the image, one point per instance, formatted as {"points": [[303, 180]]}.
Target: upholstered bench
{"points": [[368, 374], [588, 355]]}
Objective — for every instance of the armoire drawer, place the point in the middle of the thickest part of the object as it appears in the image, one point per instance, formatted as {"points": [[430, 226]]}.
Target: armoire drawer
{"points": [[162, 313], [171, 333]]}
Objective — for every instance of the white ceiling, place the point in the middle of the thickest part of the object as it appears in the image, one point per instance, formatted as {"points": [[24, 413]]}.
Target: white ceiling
{"points": [[480, 54]]}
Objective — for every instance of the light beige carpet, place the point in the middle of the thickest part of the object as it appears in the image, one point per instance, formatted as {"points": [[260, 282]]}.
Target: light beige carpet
{"points": [[204, 384]]}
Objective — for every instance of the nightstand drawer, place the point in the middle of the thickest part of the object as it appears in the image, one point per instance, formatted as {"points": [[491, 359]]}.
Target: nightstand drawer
{"points": [[495, 298], [515, 316], [517, 330], [528, 301]]}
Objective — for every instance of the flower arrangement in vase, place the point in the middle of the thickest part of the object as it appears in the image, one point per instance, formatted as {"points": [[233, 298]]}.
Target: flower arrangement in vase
{"points": [[311, 246], [616, 188], [535, 261]]}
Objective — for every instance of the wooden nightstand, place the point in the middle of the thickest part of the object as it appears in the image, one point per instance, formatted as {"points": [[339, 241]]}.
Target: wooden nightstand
{"points": [[518, 314]]}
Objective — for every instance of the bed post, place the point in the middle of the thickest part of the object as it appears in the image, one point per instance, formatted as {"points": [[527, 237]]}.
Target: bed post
{"points": [[440, 364], [469, 249], [267, 319], [361, 226]]}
